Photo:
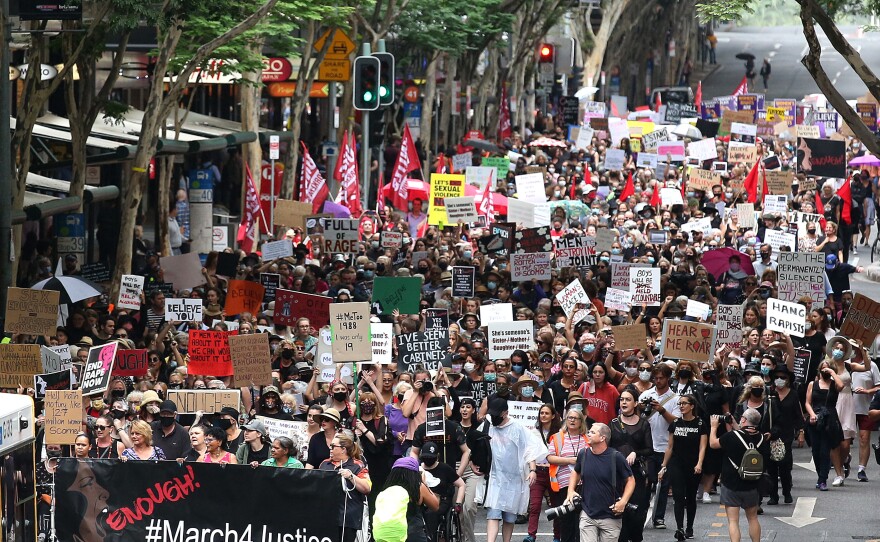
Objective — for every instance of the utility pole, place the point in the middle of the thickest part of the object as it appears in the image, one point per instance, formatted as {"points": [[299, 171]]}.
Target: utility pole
{"points": [[7, 172]]}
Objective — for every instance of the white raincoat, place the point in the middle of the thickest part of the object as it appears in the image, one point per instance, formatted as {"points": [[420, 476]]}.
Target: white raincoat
{"points": [[513, 447]]}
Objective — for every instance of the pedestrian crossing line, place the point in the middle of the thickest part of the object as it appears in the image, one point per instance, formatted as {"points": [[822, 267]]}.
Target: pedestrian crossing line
{"points": [[715, 535], [720, 515], [717, 525]]}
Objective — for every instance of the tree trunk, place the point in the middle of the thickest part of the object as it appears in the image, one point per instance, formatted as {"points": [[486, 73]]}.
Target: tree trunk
{"points": [[447, 138], [487, 82], [594, 57], [427, 136], [250, 122]]}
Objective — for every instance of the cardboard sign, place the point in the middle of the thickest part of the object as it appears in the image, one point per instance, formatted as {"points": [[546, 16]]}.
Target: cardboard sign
{"points": [[18, 364], [620, 300], [702, 179], [460, 162], [209, 353], [55, 358], [341, 236], [391, 239], [291, 213], [507, 337], [785, 317], [533, 240], [183, 310], [428, 349], [728, 117], [524, 412], [443, 186], [207, 401], [131, 362], [688, 340], [64, 416], [729, 321], [289, 306], [521, 212], [382, 337], [270, 282], [745, 213], [651, 140], [498, 312], [183, 271], [350, 328], [276, 250], [862, 320], [60, 380], [736, 155], [645, 285], [620, 274], [572, 295], [461, 210], [821, 157], [463, 281], [251, 361], [530, 266], [779, 182], [401, 293], [801, 274], [575, 252], [96, 375], [630, 337], [244, 296], [34, 312], [130, 292]]}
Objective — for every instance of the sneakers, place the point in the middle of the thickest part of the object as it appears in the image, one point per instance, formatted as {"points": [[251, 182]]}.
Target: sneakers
{"points": [[787, 498], [846, 466], [529, 538], [773, 501], [707, 499], [689, 533], [659, 523], [854, 251], [822, 486], [679, 535], [863, 476], [838, 481]]}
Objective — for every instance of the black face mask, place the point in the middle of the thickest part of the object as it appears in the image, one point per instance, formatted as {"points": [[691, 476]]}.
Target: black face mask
{"points": [[380, 268], [287, 353], [497, 420], [399, 397], [685, 374], [166, 421], [174, 386], [339, 396], [430, 463], [443, 265], [118, 394], [53, 454], [423, 270], [223, 423], [118, 414], [757, 392]]}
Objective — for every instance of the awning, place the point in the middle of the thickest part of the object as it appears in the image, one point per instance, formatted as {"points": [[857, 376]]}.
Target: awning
{"points": [[60, 135], [41, 205]]}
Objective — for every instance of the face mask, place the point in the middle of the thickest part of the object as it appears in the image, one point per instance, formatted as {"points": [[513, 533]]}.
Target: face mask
{"points": [[676, 261], [502, 266], [153, 409], [757, 392], [780, 382], [368, 408], [118, 414], [468, 367], [339, 396], [732, 371], [369, 274], [734, 267], [728, 195], [651, 260], [751, 241], [589, 348], [517, 368], [467, 254], [443, 266], [605, 259], [489, 377], [645, 376], [223, 423], [287, 353], [166, 421], [53, 454], [540, 383], [117, 394], [286, 409], [632, 371], [491, 285], [685, 374], [99, 403], [423, 270], [174, 385], [406, 240], [756, 360], [558, 348], [837, 354], [765, 370], [527, 391], [497, 420], [616, 251], [502, 389]]}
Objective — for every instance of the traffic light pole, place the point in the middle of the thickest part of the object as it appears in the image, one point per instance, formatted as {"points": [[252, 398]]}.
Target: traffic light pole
{"points": [[6, 161], [365, 145]]}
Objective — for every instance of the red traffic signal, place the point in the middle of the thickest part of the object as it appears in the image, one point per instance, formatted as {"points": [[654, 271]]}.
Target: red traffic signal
{"points": [[546, 53]]}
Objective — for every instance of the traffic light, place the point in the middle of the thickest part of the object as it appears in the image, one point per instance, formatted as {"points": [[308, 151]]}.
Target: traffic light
{"points": [[366, 83], [386, 78], [546, 53]]}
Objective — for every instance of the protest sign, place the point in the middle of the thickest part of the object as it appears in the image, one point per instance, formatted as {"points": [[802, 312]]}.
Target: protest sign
{"points": [[697, 309], [350, 326], [151, 288], [294, 430], [251, 361], [382, 336], [497, 312], [460, 162], [480, 176], [651, 140], [183, 271], [291, 213], [620, 300], [209, 353], [778, 239], [401, 293], [775, 205], [620, 274], [571, 295], [443, 186], [629, 337], [779, 182], [811, 132], [428, 349], [672, 150], [99, 365], [60, 380], [535, 265], [270, 282], [821, 157], [500, 242], [687, 340], [728, 117], [785, 317], [868, 114], [18, 364], [95, 272], [802, 358], [227, 264], [606, 237], [584, 137], [806, 218], [524, 412], [593, 110], [521, 212], [507, 337], [64, 416], [461, 210], [728, 320], [501, 164], [645, 285], [275, 250], [575, 252], [324, 355], [530, 187], [244, 296], [676, 111], [435, 319], [391, 239], [34, 312], [702, 179], [290, 305], [207, 401], [183, 310], [614, 159], [435, 422], [742, 154], [533, 240], [55, 358], [130, 289], [704, 149], [862, 320], [745, 213], [463, 281], [801, 274], [341, 236], [671, 196], [131, 362], [647, 160]]}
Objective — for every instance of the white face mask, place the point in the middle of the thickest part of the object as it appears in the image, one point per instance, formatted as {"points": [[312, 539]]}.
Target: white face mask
{"points": [[780, 382], [468, 367], [558, 348], [645, 376], [631, 371]]}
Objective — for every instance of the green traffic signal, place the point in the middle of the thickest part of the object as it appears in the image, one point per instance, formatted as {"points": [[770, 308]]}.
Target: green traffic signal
{"points": [[366, 81]]}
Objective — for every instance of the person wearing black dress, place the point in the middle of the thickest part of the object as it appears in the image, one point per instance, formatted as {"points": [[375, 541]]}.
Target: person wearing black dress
{"points": [[824, 426], [789, 419]]}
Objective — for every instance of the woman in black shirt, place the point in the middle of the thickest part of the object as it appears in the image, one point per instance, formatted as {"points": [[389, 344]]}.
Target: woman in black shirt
{"points": [[631, 436], [825, 430], [789, 418]]}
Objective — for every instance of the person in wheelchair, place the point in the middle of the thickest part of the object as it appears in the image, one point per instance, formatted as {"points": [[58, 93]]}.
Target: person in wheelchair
{"points": [[449, 487]]}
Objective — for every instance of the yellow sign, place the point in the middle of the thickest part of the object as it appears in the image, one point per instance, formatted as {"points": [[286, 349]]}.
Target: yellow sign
{"points": [[340, 47], [443, 186], [332, 69], [776, 114]]}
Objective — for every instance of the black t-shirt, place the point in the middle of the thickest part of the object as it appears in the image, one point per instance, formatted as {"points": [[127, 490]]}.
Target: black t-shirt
{"points": [[447, 477], [284, 372], [231, 446], [559, 394], [318, 450], [451, 441], [686, 449], [258, 456], [733, 452], [175, 445]]}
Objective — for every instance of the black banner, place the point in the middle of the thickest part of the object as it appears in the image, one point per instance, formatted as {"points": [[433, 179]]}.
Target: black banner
{"points": [[429, 349], [568, 109], [821, 157], [463, 281], [95, 272], [271, 282], [437, 319], [531, 240], [108, 500], [677, 111], [227, 264], [62, 380]]}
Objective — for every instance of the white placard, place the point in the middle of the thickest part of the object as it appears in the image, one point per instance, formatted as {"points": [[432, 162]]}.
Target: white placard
{"points": [[775, 204], [231, 325], [130, 292], [382, 336], [703, 149], [728, 320], [785, 317], [745, 213], [479, 176], [571, 295], [584, 138], [675, 149], [801, 274], [521, 212], [391, 239], [220, 238], [645, 285], [274, 250], [530, 187], [524, 412], [507, 337], [620, 300], [697, 309], [614, 159], [648, 160], [499, 312], [618, 129], [702, 225], [778, 239], [530, 266], [183, 310], [460, 162], [671, 196], [461, 209], [651, 140], [542, 214]]}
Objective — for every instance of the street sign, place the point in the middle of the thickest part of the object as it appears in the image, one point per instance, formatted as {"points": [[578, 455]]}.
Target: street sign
{"points": [[276, 69], [340, 47], [411, 94], [274, 147], [332, 69], [70, 233]]}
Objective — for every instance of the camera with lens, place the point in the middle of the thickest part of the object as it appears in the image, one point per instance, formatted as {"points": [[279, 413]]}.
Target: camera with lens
{"points": [[727, 418], [564, 508], [630, 507], [427, 386], [647, 405]]}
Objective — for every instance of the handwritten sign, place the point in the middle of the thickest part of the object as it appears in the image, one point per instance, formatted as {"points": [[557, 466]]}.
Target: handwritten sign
{"points": [[779, 182], [131, 362], [391, 239], [645, 285], [244, 296], [507, 337], [130, 289], [183, 310], [498, 312], [341, 236], [862, 320], [207, 401], [745, 213], [276, 250], [524, 412], [629, 337], [801, 274], [785, 317], [382, 337], [702, 179], [729, 321], [64, 416], [34, 312], [55, 358], [571, 295], [535, 265], [250, 359], [620, 300], [575, 252], [18, 364], [427, 349], [401, 293], [688, 340], [209, 353], [350, 326]]}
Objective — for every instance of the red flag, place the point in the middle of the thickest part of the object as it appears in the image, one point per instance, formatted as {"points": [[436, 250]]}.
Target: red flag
{"points": [[588, 175], [845, 195], [657, 103], [698, 99], [504, 129], [655, 197], [571, 191], [750, 185], [614, 111], [820, 209], [248, 229], [629, 189], [380, 198], [346, 174], [743, 87], [407, 160], [487, 209], [313, 188]]}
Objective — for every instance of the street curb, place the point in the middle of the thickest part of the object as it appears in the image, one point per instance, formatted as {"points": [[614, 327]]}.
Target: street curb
{"points": [[712, 69]]}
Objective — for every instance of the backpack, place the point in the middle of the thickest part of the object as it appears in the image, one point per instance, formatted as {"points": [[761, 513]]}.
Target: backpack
{"points": [[481, 451], [751, 466], [389, 520]]}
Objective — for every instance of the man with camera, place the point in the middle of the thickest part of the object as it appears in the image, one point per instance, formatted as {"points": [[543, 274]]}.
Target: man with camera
{"points": [[602, 470], [660, 407], [415, 401], [741, 470]]}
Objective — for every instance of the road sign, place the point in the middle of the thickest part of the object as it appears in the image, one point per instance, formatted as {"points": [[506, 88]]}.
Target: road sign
{"points": [[274, 147], [411, 94], [70, 232], [276, 69], [340, 47], [333, 69]]}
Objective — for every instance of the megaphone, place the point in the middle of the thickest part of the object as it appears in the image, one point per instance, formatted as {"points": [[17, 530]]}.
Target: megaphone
{"points": [[843, 342]]}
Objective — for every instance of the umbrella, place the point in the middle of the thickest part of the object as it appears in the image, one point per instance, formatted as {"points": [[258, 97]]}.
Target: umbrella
{"points": [[484, 145], [415, 189], [547, 142], [499, 201], [71, 287], [745, 56], [866, 160], [716, 261], [335, 209], [686, 130], [585, 93]]}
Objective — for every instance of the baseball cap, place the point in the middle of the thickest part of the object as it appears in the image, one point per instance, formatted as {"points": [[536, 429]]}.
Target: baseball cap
{"points": [[168, 406], [429, 452], [497, 406]]}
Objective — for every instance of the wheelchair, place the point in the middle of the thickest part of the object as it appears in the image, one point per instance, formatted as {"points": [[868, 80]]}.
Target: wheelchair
{"points": [[449, 529]]}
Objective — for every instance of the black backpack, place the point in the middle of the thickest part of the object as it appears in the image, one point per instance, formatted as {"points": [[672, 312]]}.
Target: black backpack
{"points": [[481, 451]]}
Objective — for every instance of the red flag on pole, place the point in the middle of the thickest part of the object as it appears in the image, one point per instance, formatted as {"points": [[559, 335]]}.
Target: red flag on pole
{"points": [[346, 174], [743, 87], [698, 99], [657, 103], [504, 129], [314, 189], [629, 189], [407, 160], [820, 209], [655, 197], [845, 195], [249, 228], [750, 185], [486, 207]]}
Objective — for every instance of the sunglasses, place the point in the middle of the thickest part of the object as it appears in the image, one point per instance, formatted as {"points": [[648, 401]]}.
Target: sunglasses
{"points": [[101, 427]]}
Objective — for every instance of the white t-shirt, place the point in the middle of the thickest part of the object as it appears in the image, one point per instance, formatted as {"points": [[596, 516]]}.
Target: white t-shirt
{"points": [[659, 425], [864, 379]]}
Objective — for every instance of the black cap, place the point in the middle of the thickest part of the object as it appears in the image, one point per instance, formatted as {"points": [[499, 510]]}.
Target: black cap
{"points": [[429, 452], [229, 411], [497, 406], [168, 406]]}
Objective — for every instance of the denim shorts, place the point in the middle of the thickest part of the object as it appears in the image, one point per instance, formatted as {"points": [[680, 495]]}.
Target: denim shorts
{"points": [[506, 517]]}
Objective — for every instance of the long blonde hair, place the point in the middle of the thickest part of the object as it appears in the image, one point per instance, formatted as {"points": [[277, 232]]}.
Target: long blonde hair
{"points": [[753, 382]]}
